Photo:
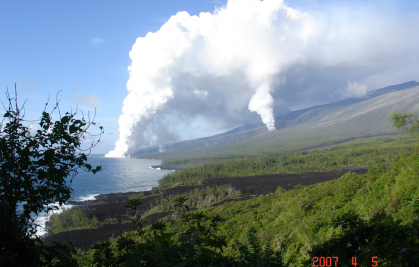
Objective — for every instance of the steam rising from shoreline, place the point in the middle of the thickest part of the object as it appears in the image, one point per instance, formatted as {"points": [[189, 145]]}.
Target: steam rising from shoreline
{"points": [[248, 61]]}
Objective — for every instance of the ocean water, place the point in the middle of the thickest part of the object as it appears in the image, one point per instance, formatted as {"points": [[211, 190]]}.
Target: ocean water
{"points": [[119, 175]]}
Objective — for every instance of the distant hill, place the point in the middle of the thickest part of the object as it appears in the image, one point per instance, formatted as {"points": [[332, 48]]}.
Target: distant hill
{"points": [[351, 116]]}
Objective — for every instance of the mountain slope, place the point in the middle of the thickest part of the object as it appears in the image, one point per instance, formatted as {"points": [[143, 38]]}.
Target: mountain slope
{"points": [[373, 120]]}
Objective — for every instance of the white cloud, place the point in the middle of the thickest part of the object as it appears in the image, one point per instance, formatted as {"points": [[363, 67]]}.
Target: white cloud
{"points": [[96, 41], [355, 89], [33, 128], [86, 99], [251, 60]]}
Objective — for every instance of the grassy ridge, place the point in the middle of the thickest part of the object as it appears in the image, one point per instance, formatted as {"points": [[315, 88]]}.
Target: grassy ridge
{"points": [[362, 152], [271, 143], [298, 219], [256, 147]]}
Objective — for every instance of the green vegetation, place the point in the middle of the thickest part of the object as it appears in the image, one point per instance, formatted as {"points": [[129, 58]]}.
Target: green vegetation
{"points": [[353, 216], [110, 220], [36, 170], [314, 127], [358, 153], [71, 219], [199, 245], [405, 122], [299, 219], [142, 196], [361, 216], [196, 198], [191, 159], [76, 218], [381, 240]]}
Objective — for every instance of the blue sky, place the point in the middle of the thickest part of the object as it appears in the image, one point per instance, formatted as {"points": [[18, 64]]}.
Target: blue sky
{"points": [[79, 47], [82, 48]]}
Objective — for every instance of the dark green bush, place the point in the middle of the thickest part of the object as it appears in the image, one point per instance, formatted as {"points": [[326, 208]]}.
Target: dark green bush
{"points": [[70, 219], [199, 245], [390, 242], [35, 171]]}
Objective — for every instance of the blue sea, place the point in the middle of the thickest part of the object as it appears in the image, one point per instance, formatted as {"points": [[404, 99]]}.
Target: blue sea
{"points": [[119, 175]]}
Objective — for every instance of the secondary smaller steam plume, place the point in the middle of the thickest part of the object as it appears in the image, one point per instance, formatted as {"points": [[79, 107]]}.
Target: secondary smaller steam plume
{"points": [[261, 102]]}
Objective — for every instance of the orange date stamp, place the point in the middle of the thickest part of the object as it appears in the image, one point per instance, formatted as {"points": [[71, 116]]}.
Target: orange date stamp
{"points": [[333, 261]]}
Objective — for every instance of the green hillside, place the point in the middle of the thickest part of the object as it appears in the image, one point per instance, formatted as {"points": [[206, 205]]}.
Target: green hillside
{"points": [[373, 216], [376, 212], [359, 152], [368, 117], [291, 119], [298, 219]]}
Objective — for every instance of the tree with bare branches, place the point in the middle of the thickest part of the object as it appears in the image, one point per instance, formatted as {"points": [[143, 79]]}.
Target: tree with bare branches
{"points": [[36, 170]]}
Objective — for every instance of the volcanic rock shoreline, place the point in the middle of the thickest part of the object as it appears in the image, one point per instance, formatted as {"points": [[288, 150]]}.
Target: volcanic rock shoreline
{"points": [[112, 205]]}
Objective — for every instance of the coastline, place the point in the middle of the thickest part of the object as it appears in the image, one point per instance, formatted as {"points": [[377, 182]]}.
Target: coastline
{"points": [[112, 205], [130, 175], [108, 197], [160, 167]]}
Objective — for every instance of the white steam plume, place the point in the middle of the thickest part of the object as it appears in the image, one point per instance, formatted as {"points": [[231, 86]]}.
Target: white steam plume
{"points": [[261, 102], [252, 59]]}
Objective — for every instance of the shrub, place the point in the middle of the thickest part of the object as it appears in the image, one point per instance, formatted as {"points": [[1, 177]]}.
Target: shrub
{"points": [[74, 218]]}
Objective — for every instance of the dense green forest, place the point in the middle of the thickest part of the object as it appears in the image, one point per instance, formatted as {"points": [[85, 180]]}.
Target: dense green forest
{"points": [[253, 148], [373, 217], [377, 212], [298, 219], [285, 228], [362, 152]]}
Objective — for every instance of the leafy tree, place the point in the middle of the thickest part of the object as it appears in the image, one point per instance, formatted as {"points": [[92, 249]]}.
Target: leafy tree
{"points": [[36, 170], [255, 255], [405, 122], [180, 202]]}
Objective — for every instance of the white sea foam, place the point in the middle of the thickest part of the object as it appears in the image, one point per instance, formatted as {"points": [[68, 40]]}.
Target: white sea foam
{"points": [[86, 198], [44, 217], [151, 167]]}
